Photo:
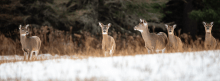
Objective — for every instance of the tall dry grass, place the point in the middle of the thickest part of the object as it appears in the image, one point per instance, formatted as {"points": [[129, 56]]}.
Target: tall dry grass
{"points": [[84, 44]]}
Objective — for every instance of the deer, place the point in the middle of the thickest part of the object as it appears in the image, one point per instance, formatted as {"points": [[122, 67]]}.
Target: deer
{"points": [[210, 41], [30, 44], [174, 42], [153, 42], [108, 42]]}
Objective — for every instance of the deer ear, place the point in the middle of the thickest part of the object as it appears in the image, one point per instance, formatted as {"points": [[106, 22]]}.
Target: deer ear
{"points": [[141, 20], [27, 26], [100, 24], [145, 23], [203, 23], [212, 23], [19, 26], [109, 24], [166, 26], [174, 26]]}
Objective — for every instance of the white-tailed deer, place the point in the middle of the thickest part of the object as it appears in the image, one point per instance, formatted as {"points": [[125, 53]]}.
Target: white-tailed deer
{"points": [[29, 44], [174, 42], [108, 42], [210, 41], [153, 42]]}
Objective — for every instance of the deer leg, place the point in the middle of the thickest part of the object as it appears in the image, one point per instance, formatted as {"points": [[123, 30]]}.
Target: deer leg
{"points": [[105, 53], [36, 53], [160, 50], [30, 54], [152, 50], [157, 51], [25, 55], [205, 45], [33, 55], [149, 51], [111, 50], [163, 50]]}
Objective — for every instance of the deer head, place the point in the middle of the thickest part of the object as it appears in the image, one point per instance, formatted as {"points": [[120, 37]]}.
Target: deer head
{"points": [[141, 26], [104, 27], [170, 29], [208, 26], [24, 30]]}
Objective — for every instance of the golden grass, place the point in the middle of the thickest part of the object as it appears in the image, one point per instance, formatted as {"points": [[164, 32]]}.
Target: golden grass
{"points": [[85, 45]]}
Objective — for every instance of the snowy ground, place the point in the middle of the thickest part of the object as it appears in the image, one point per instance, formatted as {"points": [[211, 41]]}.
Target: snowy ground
{"points": [[190, 66]]}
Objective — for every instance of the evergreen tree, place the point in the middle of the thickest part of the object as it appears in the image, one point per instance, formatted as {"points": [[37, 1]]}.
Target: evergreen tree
{"points": [[210, 11]]}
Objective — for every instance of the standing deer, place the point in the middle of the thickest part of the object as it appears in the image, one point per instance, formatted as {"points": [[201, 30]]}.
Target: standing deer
{"points": [[175, 42], [153, 42], [108, 42], [29, 44], [210, 41]]}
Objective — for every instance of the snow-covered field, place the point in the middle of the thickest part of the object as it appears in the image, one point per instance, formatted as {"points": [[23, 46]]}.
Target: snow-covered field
{"points": [[188, 66]]}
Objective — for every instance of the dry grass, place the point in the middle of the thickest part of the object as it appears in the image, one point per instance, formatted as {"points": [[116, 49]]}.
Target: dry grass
{"points": [[84, 44]]}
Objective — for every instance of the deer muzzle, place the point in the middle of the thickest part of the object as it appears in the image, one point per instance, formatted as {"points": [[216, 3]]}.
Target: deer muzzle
{"points": [[135, 28]]}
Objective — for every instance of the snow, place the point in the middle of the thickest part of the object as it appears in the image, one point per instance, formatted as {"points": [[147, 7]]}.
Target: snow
{"points": [[187, 66]]}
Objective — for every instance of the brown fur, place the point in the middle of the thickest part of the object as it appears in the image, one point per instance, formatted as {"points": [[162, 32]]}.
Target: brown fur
{"points": [[29, 44], [108, 42], [210, 41], [175, 42], [153, 42]]}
